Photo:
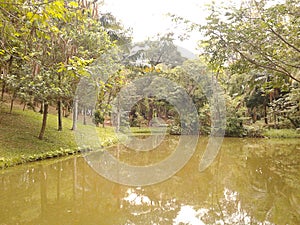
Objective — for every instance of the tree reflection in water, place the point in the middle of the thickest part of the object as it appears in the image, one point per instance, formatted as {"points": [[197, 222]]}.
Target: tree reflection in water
{"points": [[251, 182]]}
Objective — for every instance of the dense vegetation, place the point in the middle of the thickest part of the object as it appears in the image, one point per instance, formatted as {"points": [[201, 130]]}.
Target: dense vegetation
{"points": [[258, 47], [253, 50]]}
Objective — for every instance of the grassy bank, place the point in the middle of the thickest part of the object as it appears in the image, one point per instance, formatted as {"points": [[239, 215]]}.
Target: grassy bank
{"points": [[19, 142], [281, 133], [259, 129]]}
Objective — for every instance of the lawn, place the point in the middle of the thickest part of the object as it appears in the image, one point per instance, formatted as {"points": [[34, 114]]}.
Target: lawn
{"points": [[19, 141]]}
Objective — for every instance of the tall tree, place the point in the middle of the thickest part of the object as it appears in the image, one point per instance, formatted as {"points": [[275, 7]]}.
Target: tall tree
{"points": [[259, 34], [52, 42], [152, 53]]}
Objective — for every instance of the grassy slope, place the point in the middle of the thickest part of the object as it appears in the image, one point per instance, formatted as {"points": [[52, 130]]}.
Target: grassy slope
{"points": [[19, 142]]}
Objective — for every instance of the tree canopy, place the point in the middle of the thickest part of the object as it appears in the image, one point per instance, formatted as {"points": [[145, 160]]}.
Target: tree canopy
{"points": [[251, 49]]}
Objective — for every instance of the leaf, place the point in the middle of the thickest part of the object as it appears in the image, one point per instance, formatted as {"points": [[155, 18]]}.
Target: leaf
{"points": [[29, 15], [73, 4]]}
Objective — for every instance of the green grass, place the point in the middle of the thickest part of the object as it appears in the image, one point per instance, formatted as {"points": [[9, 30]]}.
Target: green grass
{"points": [[19, 141], [281, 133], [147, 130]]}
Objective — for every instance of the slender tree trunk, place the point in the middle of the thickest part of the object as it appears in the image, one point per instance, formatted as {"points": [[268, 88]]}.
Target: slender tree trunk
{"points": [[75, 113], [44, 123], [42, 108], [4, 72], [150, 114], [59, 108], [59, 115], [12, 103], [84, 115], [118, 116], [265, 112], [3, 90], [254, 115]]}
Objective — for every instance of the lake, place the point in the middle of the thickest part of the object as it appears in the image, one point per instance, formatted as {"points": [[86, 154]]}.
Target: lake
{"points": [[251, 181]]}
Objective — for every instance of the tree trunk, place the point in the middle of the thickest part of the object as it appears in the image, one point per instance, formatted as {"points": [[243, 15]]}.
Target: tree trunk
{"points": [[84, 115], [12, 102], [3, 91], [59, 115], [254, 115], [42, 108], [11, 105], [4, 72], [44, 123], [59, 108], [150, 111], [75, 113], [118, 116], [265, 113]]}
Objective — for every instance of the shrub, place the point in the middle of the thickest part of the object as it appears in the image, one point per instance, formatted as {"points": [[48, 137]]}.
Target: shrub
{"points": [[98, 118], [234, 127]]}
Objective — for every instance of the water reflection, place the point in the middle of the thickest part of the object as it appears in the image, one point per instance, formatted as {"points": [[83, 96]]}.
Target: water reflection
{"points": [[136, 199], [251, 182], [188, 215]]}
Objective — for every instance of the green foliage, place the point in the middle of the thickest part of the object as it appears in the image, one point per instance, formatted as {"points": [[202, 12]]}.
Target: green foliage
{"points": [[253, 131], [46, 47], [258, 36], [252, 49], [281, 133], [138, 120], [98, 118], [287, 106], [234, 127], [204, 118]]}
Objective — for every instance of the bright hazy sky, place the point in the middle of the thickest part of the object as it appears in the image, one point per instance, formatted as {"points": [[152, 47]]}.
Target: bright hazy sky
{"points": [[148, 17]]}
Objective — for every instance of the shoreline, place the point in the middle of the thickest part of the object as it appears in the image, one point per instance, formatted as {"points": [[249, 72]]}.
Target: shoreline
{"points": [[19, 143]]}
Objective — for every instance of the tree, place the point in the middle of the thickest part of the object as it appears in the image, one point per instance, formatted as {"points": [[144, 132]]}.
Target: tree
{"points": [[46, 47], [116, 31], [259, 35], [152, 53], [253, 49]]}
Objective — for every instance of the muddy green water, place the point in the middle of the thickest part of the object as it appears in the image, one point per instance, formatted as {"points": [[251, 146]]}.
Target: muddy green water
{"points": [[252, 181]]}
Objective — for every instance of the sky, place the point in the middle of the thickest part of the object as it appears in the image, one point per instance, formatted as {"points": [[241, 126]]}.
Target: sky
{"points": [[149, 17]]}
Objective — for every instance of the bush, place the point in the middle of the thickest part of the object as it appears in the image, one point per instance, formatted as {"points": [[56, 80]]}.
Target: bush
{"points": [[253, 132], [98, 118], [234, 127]]}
